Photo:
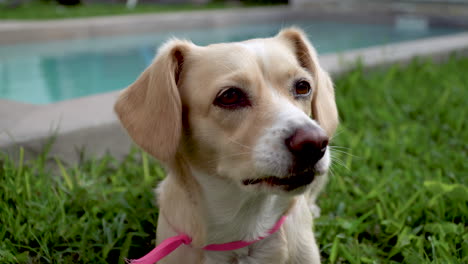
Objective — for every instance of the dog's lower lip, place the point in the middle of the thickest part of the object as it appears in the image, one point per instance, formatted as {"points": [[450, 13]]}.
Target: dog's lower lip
{"points": [[289, 183]]}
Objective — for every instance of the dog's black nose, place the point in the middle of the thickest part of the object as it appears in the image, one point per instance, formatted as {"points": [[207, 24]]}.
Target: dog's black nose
{"points": [[308, 146]]}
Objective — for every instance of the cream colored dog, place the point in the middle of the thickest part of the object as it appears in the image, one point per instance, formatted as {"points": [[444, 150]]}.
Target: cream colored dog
{"points": [[231, 123]]}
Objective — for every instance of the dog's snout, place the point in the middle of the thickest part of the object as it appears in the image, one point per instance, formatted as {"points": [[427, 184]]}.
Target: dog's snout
{"points": [[307, 145]]}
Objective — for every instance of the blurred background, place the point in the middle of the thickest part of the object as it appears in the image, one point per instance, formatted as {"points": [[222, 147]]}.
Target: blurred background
{"points": [[74, 189]]}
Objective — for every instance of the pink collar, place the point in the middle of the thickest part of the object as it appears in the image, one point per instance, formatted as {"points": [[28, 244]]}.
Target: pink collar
{"points": [[172, 243]]}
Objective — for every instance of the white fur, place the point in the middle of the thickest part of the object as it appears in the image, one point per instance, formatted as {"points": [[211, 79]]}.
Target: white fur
{"points": [[271, 155]]}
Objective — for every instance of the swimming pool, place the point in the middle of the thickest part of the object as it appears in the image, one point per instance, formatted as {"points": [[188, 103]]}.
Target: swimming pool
{"points": [[42, 73]]}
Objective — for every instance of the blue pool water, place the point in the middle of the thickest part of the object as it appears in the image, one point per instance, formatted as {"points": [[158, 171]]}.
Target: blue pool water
{"points": [[41, 73]]}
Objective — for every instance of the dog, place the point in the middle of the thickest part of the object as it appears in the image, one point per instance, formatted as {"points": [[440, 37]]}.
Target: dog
{"points": [[243, 131]]}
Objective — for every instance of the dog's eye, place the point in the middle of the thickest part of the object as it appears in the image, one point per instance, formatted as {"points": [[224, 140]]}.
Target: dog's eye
{"points": [[232, 98], [302, 88]]}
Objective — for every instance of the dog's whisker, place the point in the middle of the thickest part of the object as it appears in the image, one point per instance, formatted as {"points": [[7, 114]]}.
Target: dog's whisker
{"points": [[340, 151], [338, 147], [336, 155], [338, 133], [337, 161], [345, 153], [228, 156], [331, 170], [238, 143]]}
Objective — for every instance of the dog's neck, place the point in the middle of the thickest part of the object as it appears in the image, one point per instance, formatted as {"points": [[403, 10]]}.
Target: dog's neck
{"points": [[231, 213]]}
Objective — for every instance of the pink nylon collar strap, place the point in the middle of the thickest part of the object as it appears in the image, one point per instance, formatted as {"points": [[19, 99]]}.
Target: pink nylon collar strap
{"points": [[172, 243]]}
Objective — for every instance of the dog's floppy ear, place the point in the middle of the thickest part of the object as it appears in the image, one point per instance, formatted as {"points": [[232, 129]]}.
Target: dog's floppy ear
{"points": [[150, 108], [323, 104]]}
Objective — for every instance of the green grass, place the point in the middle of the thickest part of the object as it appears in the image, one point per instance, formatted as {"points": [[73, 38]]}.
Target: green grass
{"points": [[100, 210], [37, 9], [404, 196], [398, 195], [52, 10]]}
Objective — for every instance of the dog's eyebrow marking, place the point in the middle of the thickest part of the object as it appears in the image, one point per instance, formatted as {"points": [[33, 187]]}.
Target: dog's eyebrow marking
{"points": [[256, 47], [239, 78]]}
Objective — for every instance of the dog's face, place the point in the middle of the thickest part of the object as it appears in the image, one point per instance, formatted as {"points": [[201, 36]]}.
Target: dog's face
{"points": [[240, 111]]}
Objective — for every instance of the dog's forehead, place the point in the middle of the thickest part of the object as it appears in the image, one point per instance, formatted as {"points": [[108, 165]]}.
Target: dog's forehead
{"points": [[268, 55], [269, 51]]}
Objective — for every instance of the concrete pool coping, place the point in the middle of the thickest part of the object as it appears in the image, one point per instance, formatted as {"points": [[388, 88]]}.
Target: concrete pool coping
{"points": [[89, 124], [13, 31], [19, 31]]}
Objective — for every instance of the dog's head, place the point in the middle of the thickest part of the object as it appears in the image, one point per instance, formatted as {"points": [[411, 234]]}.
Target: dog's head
{"points": [[239, 111]]}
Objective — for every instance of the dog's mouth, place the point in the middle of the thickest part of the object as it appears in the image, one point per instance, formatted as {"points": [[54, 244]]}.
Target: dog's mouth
{"points": [[289, 183]]}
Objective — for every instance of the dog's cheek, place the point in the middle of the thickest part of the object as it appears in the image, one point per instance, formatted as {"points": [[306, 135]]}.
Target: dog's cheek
{"points": [[196, 145], [235, 134]]}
